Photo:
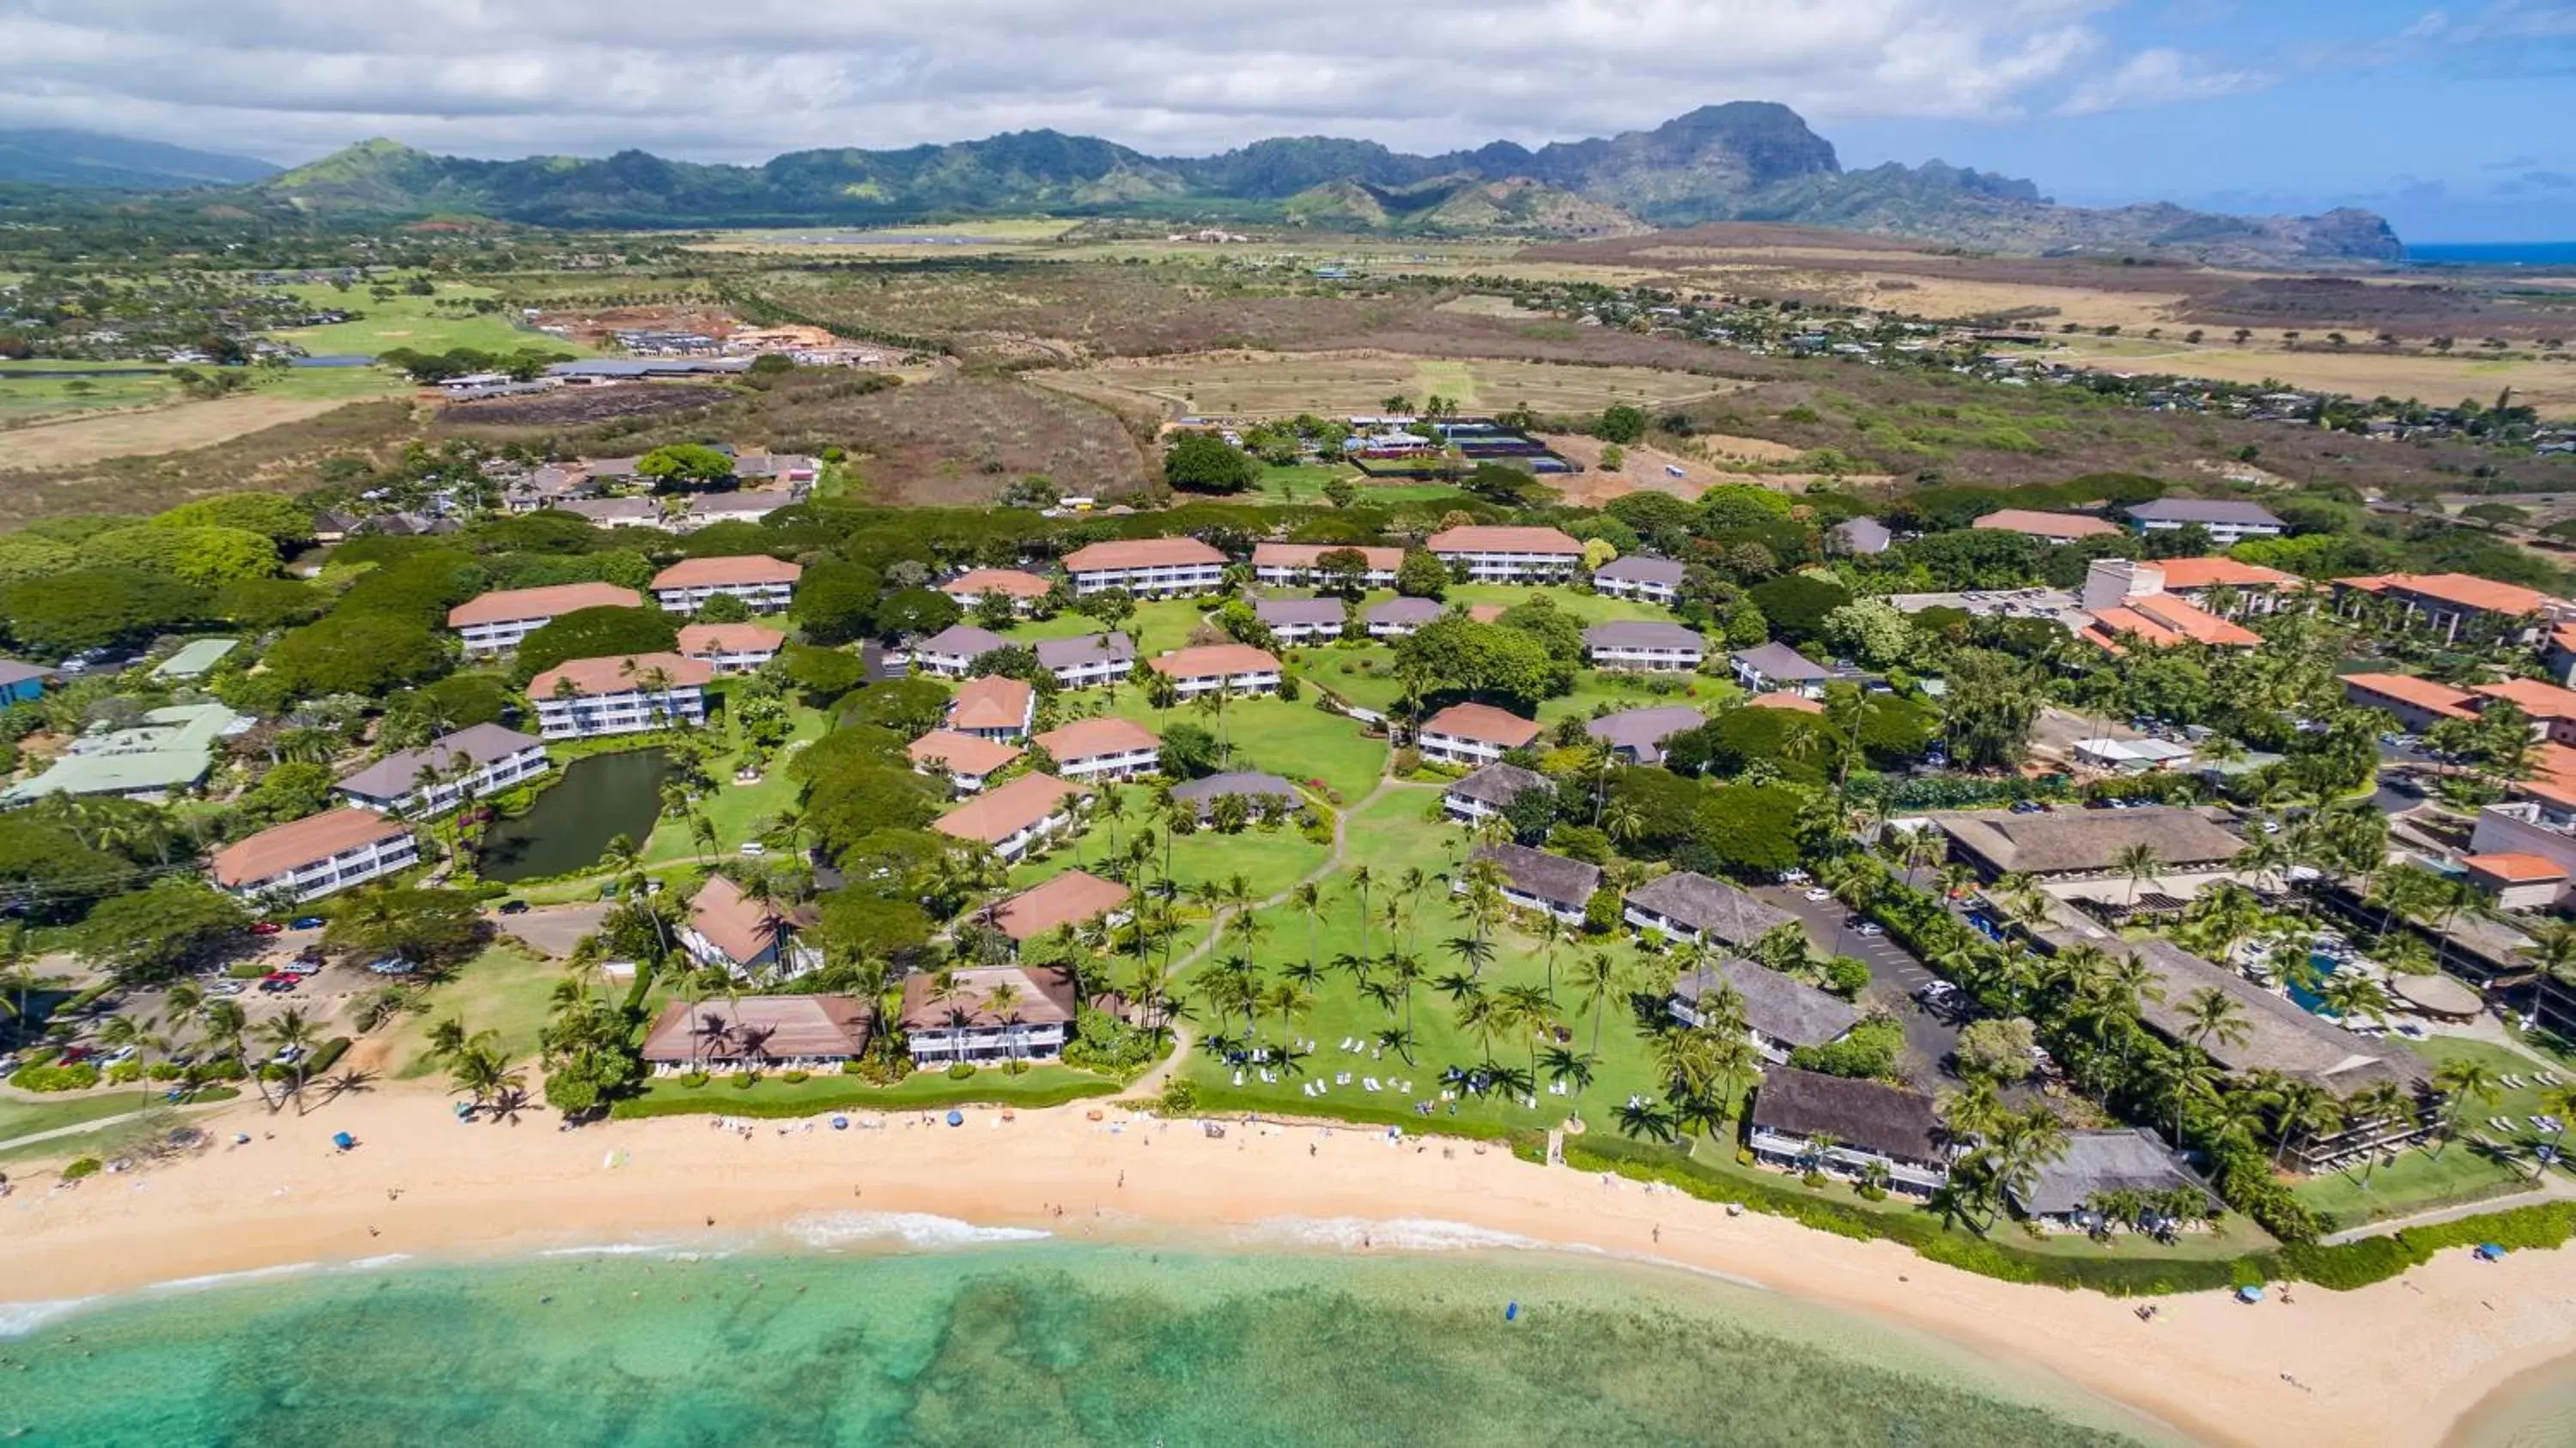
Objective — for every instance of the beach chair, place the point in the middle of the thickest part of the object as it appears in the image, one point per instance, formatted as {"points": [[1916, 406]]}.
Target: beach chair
{"points": [[1238, 1077]]}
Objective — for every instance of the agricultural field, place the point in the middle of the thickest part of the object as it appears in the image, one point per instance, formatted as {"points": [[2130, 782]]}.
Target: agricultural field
{"points": [[2361, 371], [1341, 385], [418, 323]]}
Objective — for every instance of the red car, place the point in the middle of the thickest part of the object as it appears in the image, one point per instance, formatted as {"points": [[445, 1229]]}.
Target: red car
{"points": [[266, 927]]}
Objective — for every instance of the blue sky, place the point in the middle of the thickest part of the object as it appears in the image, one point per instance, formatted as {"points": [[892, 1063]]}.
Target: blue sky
{"points": [[2455, 118]]}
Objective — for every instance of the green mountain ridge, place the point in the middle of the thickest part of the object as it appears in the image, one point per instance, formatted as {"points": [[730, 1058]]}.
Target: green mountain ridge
{"points": [[1742, 161], [90, 161]]}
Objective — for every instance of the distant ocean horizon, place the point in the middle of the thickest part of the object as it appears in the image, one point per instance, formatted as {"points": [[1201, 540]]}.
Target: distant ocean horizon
{"points": [[2492, 253]]}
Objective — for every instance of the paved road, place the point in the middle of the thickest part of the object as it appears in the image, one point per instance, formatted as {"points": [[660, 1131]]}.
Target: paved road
{"points": [[1894, 976], [554, 929]]}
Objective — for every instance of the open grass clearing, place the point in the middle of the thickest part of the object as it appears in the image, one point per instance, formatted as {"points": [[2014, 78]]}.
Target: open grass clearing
{"points": [[179, 427], [418, 323], [1268, 860], [503, 990], [19, 1117], [2420, 1180], [774, 1096], [1342, 384], [2361, 371], [737, 810]]}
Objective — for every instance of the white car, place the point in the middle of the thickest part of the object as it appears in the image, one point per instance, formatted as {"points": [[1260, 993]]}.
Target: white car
{"points": [[1820, 894], [1868, 930]]}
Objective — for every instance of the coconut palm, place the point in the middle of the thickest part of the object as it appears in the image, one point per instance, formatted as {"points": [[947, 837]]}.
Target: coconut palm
{"points": [[2212, 1013], [1002, 1003], [2301, 1111], [1528, 1009], [293, 1032], [1359, 882], [1596, 983], [2461, 1081], [2140, 863]]}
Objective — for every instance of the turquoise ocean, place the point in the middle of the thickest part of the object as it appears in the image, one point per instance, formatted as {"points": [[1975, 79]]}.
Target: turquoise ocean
{"points": [[1024, 1343]]}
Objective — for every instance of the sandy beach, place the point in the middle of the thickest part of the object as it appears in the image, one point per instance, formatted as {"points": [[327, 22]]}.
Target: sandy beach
{"points": [[2397, 1363]]}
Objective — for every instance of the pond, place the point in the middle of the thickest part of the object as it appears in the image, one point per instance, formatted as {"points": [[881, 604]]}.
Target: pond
{"points": [[569, 826]]}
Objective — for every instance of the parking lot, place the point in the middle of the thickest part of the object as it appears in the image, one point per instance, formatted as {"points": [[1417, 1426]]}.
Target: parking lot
{"points": [[1894, 976]]}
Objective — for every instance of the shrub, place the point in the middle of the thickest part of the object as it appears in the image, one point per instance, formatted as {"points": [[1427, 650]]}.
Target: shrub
{"points": [[1180, 1096], [694, 1079], [55, 1078], [960, 1070], [744, 1080], [87, 1166], [796, 1078]]}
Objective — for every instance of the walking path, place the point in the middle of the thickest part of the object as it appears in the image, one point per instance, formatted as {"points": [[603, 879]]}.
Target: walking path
{"points": [[78, 1127]]}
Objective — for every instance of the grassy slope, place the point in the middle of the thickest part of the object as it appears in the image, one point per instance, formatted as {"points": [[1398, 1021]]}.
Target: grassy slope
{"points": [[504, 989]]}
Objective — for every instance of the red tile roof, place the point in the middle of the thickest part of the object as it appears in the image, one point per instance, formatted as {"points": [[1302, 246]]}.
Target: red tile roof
{"points": [[1141, 553], [2423, 694], [733, 638], [1068, 899], [509, 605], [2517, 869], [1046, 999], [1305, 555], [1210, 660], [2458, 589], [1484, 723], [2182, 574], [301, 842], [1091, 738], [968, 754], [619, 675], [737, 925], [991, 702], [2539, 700], [1009, 582], [995, 816], [1482, 538], [740, 570], [2047, 525]]}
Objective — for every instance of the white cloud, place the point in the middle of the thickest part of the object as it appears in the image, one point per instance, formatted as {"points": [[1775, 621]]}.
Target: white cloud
{"points": [[2157, 77], [748, 78]]}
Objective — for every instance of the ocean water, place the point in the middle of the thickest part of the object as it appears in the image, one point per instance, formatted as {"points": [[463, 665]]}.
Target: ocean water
{"points": [[2534, 1410], [998, 1344], [2553, 254]]}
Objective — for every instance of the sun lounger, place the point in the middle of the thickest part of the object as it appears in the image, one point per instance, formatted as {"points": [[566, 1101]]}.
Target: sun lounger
{"points": [[1238, 1078], [2501, 1123], [1370, 1083]]}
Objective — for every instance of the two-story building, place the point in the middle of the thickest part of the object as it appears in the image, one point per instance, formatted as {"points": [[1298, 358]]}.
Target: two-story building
{"points": [[1490, 554], [495, 622], [2417, 704], [1779, 1014], [1690, 907], [1025, 590], [468, 764], [975, 1019], [2449, 603], [1490, 791], [759, 1033], [1537, 880], [952, 652], [2227, 522], [1644, 648], [1147, 567], [764, 583], [1398, 617], [315, 856], [1014, 818], [1777, 668], [968, 761], [1473, 734], [1299, 621], [731, 648], [732, 932], [993, 707], [1802, 1121], [1087, 661], [587, 698], [1637, 735], [1209, 668], [1648, 580], [1106, 747], [1297, 565]]}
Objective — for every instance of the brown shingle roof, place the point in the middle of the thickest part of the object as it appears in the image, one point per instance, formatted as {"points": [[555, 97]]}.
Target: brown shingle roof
{"points": [[783, 1028], [991, 702], [1484, 723], [1091, 738], [1552, 878], [732, 638], [620, 674], [995, 816], [739, 570], [1210, 660], [301, 842], [507, 605], [1046, 998], [1069, 899], [2069, 841], [1141, 553], [1863, 1114]]}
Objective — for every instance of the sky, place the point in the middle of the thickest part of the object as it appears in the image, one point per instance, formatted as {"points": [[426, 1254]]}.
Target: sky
{"points": [[2457, 122]]}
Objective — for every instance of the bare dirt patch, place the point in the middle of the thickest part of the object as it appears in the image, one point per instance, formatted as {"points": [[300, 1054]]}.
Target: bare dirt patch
{"points": [[75, 442]]}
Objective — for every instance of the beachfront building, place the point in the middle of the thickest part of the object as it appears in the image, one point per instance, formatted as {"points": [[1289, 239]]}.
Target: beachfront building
{"points": [[1399, 617], [977, 1019], [1688, 906], [1147, 567], [1777, 668], [1490, 791], [495, 622], [468, 764], [732, 932], [1489, 554], [1297, 565], [1648, 580], [1211, 668], [968, 761], [1473, 734], [1802, 1121], [1299, 621], [1638, 735], [315, 856], [1024, 590], [2228, 523], [1106, 747], [759, 1033], [2224, 586], [1261, 793], [731, 648], [2066, 1193], [1780, 1014], [587, 698], [952, 651], [2447, 604], [1648, 648], [1536, 880], [1076, 897], [993, 707], [764, 583], [1088, 661], [2047, 527], [1017, 817]]}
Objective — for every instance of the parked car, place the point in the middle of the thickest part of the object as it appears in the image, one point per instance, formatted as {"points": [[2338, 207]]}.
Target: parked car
{"points": [[2028, 806], [299, 968], [393, 965], [266, 927], [514, 907], [1819, 895], [305, 922], [224, 988], [1793, 877], [1868, 930], [117, 1057]]}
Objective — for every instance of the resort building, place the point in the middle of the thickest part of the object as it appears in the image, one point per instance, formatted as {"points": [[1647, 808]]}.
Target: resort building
{"points": [[2511, 842], [969, 761], [1780, 1014], [731, 648], [495, 622], [2066, 1191], [1537, 880], [1507, 555], [2515, 881], [2417, 704], [1473, 734], [993, 707], [1802, 1120], [2552, 709], [705, 510], [1107, 747], [2222, 585], [766, 584], [1089, 660], [586, 698], [2127, 601], [765, 1033], [1261, 793], [1688, 906], [1024, 590], [468, 764], [1016, 817], [22, 682], [1859, 537], [2227, 523], [1300, 621], [977, 1020], [170, 750], [733, 932], [2447, 603], [1777, 667], [1638, 735], [1076, 897], [952, 651], [1298, 565], [1490, 791], [1209, 668], [315, 856], [1651, 648], [2063, 844], [1147, 567], [1648, 580], [1399, 617], [2048, 527]]}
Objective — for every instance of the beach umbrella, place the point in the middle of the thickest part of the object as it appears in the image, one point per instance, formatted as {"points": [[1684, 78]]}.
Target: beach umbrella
{"points": [[840, 1123], [2249, 1294], [343, 1140], [957, 1118], [2489, 1251]]}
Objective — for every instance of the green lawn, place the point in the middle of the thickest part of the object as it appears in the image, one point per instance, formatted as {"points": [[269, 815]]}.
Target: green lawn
{"points": [[921, 1091], [1269, 860], [27, 1118], [2419, 1180], [504, 989], [1157, 627], [1301, 482], [24, 399], [738, 810], [413, 322], [1297, 741]]}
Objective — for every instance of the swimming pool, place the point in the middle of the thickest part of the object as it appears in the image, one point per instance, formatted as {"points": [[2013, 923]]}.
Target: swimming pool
{"points": [[2310, 1000]]}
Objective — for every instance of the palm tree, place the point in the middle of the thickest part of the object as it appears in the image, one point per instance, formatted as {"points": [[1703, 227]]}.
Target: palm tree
{"points": [[1360, 880], [1596, 982], [1308, 900], [1002, 1003], [2140, 863], [1623, 821], [2210, 1012], [2379, 1102], [2461, 1081], [2301, 1110], [292, 1032], [1528, 1009]]}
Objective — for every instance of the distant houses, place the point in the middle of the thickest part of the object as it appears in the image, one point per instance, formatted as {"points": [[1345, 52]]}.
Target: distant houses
{"points": [[1637, 735], [495, 622]]}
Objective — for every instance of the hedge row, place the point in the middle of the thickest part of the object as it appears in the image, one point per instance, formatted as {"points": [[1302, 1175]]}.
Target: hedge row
{"points": [[864, 1097], [1226, 1101], [2376, 1259]]}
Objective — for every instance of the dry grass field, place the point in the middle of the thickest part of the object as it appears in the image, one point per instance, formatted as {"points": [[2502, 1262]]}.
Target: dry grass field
{"points": [[281, 456], [144, 432], [2362, 372], [1335, 384]]}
